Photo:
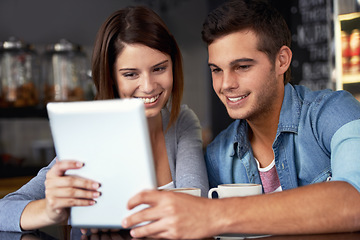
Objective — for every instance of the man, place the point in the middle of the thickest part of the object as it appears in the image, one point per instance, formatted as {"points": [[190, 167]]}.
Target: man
{"points": [[302, 146]]}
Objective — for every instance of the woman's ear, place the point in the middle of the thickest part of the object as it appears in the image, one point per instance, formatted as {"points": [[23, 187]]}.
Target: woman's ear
{"points": [[284, 59]]}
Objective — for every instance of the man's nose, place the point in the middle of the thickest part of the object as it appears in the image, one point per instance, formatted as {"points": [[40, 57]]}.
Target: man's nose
{"points": [[229, 80]]}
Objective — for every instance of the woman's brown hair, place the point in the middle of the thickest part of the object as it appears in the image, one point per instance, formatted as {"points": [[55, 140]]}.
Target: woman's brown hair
{"points": [[134, 25]]}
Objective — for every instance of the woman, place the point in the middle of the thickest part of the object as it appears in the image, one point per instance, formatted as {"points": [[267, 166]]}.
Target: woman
{"points": [[134, 56]]}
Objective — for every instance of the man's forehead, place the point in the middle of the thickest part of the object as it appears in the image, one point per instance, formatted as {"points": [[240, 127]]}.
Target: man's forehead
{"points": [[230, 47]]}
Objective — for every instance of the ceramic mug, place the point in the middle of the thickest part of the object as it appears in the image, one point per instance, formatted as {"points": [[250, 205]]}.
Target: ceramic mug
{"points": [[236, 190]]}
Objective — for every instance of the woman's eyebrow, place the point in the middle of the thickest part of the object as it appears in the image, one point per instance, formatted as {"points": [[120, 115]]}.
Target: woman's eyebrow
{"points": [[160, 63], [127, 69]]}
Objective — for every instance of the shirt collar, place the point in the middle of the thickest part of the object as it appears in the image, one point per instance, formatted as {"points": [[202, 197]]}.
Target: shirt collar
{"points": [[241, 142], [290, 111]]}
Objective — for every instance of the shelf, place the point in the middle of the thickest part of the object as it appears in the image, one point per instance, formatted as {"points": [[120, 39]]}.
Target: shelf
{"points": [[23, 112], [349, 16], [351, 78]]}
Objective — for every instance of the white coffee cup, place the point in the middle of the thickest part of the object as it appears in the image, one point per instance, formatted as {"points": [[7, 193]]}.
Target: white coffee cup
{"points": [[236, 190], [192, 191]]}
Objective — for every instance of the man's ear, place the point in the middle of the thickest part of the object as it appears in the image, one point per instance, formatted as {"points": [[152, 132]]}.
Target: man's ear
{"points": [[283, 59]]}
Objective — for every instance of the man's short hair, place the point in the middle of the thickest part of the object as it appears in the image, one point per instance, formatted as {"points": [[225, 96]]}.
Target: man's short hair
{"points": [[256, 15]]}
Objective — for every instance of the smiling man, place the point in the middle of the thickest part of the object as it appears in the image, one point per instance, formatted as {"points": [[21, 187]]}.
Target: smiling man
{"points": [[301, 145]]}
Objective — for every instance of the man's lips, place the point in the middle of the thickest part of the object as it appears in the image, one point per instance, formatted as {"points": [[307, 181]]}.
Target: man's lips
{"points": [[236, 99]]}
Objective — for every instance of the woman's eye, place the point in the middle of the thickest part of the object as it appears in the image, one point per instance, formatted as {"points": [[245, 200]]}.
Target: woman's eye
{"points": [[130, 75], [159, 69]]}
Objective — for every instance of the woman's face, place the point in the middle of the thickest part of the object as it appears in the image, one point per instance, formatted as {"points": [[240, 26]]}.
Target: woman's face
{"points": [[144, 73]]}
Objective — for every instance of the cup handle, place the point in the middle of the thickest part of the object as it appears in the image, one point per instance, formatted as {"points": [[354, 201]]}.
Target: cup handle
{"points": [[211, 192]]}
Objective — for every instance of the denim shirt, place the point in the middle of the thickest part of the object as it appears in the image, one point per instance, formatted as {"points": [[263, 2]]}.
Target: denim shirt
{"points": [[318, 139]]}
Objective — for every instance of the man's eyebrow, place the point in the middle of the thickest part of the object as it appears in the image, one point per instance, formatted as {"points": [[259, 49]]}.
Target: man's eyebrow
{"points": [[240, 60], [234, 62], [212, 65]]}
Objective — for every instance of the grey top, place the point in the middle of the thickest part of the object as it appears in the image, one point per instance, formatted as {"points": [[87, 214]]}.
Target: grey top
{"points": [[186, 160]]}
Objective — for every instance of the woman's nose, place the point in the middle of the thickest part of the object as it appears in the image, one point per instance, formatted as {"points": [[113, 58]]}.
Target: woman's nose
{"points": [[147, 85]]}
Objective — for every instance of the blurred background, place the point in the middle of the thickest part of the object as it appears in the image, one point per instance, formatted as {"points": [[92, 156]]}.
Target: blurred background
{"points": [[44, 42]]}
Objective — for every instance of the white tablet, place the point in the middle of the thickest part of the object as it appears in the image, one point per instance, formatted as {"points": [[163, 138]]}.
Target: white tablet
{"points": [[111, 137]]}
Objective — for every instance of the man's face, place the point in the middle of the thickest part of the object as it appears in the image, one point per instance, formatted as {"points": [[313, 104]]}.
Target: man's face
{"points": [[243, 77]]}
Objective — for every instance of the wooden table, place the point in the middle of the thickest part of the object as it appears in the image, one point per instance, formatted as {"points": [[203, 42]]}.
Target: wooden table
{"points": [[8, 185], [66, 233]]}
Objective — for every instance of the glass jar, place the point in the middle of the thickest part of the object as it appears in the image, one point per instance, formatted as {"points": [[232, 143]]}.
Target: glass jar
{"points": [[19, 74], [64, 72]]}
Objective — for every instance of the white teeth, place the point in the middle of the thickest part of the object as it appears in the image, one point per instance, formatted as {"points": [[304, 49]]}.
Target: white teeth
{"points": [[238, 98], [150, 100]]}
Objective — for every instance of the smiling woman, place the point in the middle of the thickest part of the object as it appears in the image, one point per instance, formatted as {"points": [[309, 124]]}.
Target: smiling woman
{"points": [[145, 73], [134, 56], [147, 30]]}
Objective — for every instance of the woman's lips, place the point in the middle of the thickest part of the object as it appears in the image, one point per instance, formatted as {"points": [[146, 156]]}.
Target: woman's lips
{"points": [[149, 100]]}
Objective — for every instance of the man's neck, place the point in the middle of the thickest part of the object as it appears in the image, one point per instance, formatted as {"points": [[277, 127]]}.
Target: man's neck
{"points": [[262, 134], [264, 129]]}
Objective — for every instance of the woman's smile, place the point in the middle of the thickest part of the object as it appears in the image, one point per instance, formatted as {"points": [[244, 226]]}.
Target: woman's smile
{"points": [[149, 100]]}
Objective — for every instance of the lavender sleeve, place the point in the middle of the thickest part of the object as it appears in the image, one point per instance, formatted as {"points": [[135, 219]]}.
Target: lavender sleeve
{"points": [[13, 204], [185, 151]]}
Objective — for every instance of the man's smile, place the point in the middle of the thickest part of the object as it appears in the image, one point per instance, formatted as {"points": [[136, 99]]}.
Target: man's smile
{"points": [[235, 99]]}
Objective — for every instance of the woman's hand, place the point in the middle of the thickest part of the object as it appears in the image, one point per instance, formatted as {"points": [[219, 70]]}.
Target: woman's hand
{"points": [[61, 193], [65, 191]]}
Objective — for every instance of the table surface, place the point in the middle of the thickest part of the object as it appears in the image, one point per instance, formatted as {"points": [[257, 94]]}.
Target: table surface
{"points": [[66, 233], [8, 185]]}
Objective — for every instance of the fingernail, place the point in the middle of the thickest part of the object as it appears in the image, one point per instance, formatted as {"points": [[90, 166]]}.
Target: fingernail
{"points": [[97, 194], [80, 164], [96, 185], [124, 223]]}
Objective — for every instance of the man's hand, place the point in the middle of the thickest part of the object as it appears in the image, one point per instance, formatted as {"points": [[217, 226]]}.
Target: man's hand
{"points": [[172, 216]]}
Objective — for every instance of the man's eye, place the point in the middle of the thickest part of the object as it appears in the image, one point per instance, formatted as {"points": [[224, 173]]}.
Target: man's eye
{"points": [[243, 67], [215, 70]]}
